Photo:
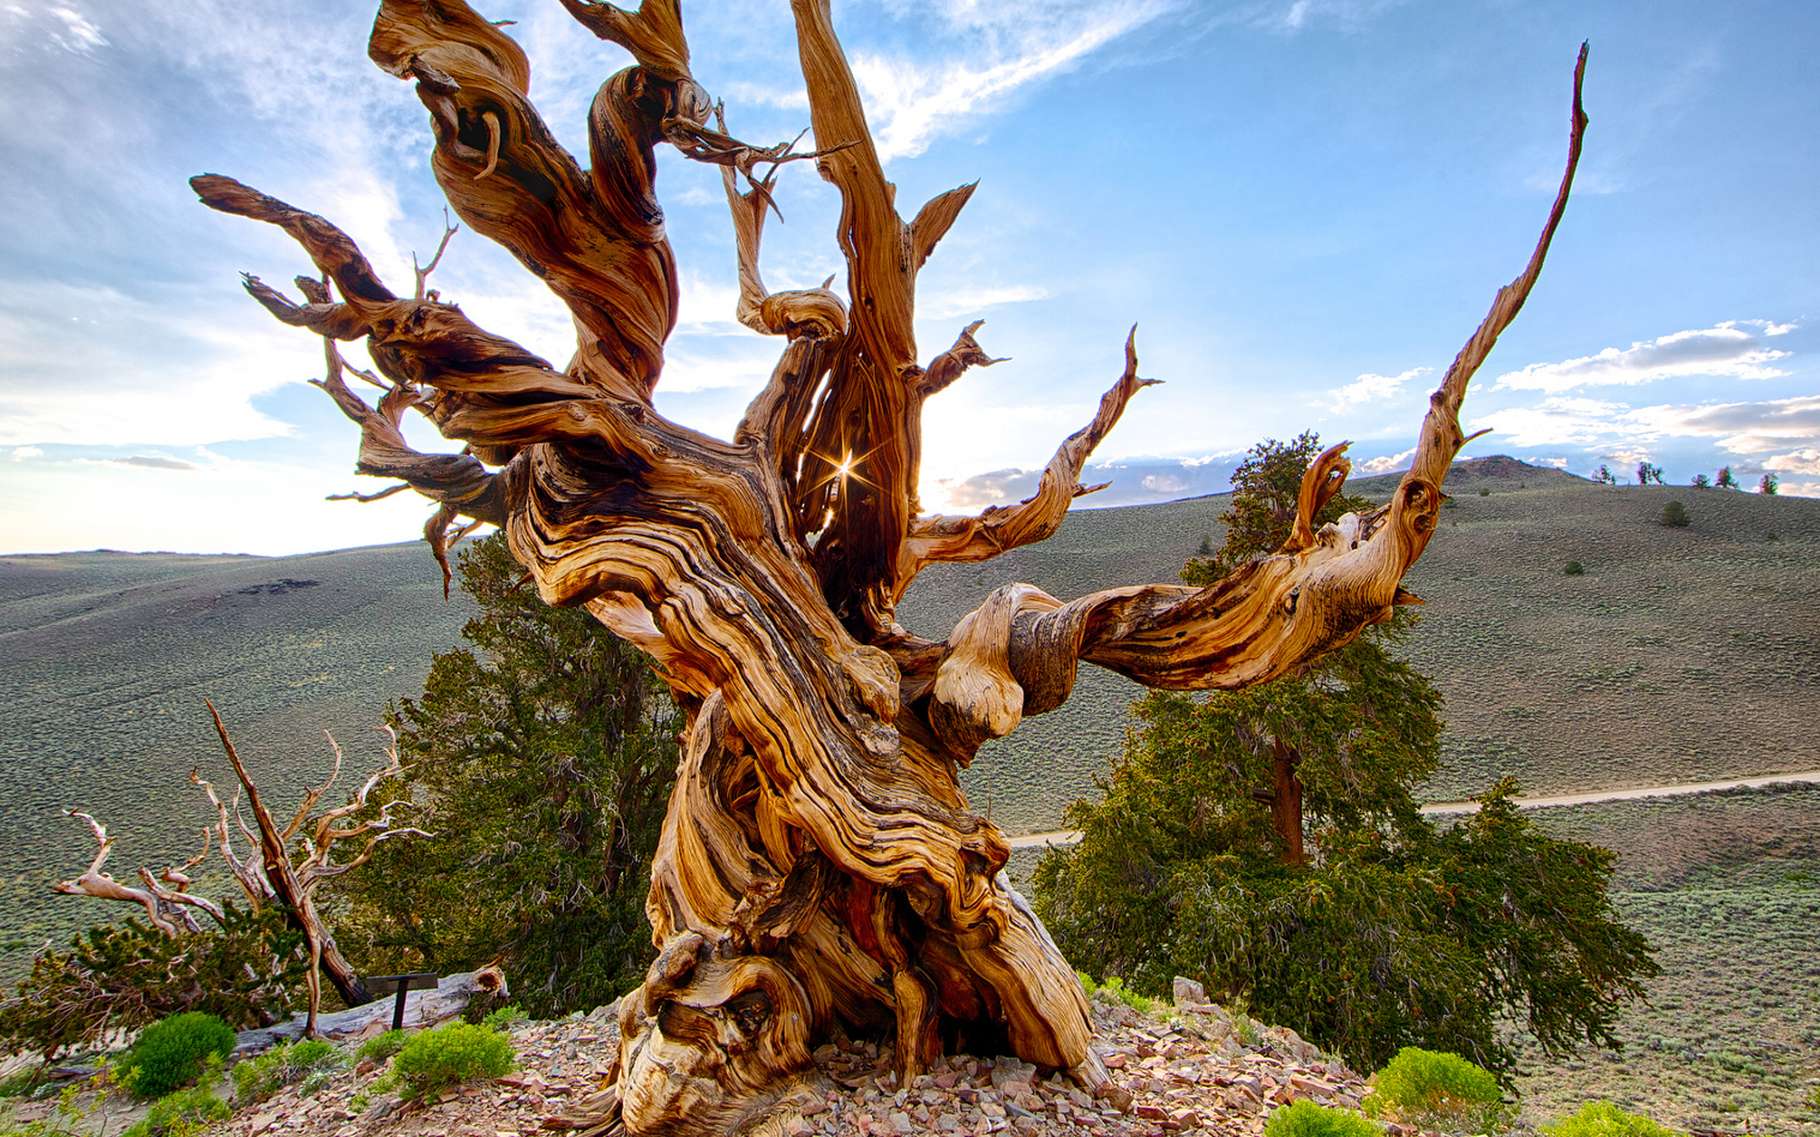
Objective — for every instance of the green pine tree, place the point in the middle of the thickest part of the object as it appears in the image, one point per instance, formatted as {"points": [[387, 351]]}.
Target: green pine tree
{"points": [[544, 755], [1383, 930]]}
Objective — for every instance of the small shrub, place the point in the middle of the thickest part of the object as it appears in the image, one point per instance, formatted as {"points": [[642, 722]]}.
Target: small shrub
{"points": [[1114, 988], [433, 1060], [381, 1046], [506, 1017], [185, 1112], [1439, 1091], [1484, 491], [259, 1078], [1674, 515], [170, 1053], [1603, 1119], [1306, 1119], [1574, 568]]}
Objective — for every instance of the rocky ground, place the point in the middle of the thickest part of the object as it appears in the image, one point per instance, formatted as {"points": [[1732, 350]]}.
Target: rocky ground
{"points": [[1193, 1068]]}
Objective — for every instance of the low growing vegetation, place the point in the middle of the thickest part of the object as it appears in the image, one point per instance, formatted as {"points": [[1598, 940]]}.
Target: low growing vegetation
{"points": [[1305, 1118], [432, 1061], [307, 1062], [1438, 1092], [1603, 1119], [174, 1052], [185, 1112], [381, 1047]]}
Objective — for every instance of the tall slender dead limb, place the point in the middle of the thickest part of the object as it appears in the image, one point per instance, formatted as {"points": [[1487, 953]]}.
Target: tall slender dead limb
{"points": [[819, 867]]}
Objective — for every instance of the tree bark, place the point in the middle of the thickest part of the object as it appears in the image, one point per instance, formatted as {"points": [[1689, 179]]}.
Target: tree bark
{"points": [[819, 866], [1286, 801]]}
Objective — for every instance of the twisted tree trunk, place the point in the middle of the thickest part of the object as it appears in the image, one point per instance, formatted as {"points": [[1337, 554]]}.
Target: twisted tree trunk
{"points": [[818, 864]]}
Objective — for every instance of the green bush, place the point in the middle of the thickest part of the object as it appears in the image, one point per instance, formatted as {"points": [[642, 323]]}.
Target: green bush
{"points": [[1575, 568], [381, 1046], [1674, 515], [1438, 1091], [1306, 1119], [170, 1053], [506, 1017], [185, 1112], [433, 1060], [1115, 987], [1603, 1119], [259, 1078]]}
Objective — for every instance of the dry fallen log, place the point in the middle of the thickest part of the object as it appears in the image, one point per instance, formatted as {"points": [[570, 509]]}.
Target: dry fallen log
{"points": [[819, 867], [450, 998]]}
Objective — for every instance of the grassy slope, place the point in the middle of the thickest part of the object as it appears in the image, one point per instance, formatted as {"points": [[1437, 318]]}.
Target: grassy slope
{"points": [[106, 659], [1727, 887]]}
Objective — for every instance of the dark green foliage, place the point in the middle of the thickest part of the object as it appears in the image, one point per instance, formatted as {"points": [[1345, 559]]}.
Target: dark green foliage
{"points": [[434, 1060], [1648, 472], [1725, 479], [1574, 568], [1394, 932], [382, 1046], [1603, 1119], [1439, 1093], [1768, 484], [1484, 491], [1674, 515], [1305, 1118], [1702, 482], [543, 756], [187, 1112], [171, 1052], [256, 1079], [1266, 487], [124, 976], [1604, 476]]}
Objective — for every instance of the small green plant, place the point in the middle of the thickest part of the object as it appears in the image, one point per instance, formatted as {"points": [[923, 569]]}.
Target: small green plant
{"points": [[506, 1017], [1575, 568], [257, 1079], [1484, 491], [185, 1112], [433, 1060], [1443, 1092], [21, 1083], [1603, 1119], [1115, 988], [1674, 515], [170, 1053], [1306, 1119], [381, 1046]]}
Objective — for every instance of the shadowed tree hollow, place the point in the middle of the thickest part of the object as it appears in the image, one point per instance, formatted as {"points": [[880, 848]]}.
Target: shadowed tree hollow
{"points": [[819, 867]]}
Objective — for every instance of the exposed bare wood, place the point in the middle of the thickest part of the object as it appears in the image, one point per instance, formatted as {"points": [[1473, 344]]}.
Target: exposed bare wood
{"points": [[819, 867]]}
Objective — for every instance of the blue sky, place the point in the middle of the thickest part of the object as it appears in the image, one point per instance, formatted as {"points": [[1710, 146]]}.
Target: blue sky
{"points": [[1305, 204]]}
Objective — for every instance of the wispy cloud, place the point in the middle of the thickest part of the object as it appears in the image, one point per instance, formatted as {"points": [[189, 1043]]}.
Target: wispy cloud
{"points": [[1371, 388], [910, 103], [1730, 349], [967, 300], [27, 453], [155, 462], [1744, 428]]}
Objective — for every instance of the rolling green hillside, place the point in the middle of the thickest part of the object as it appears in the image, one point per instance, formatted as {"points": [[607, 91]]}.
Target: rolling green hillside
{"points": [[1681, 654]]}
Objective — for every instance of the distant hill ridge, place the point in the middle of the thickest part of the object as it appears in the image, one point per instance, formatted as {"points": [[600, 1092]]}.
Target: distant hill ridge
{"points": [[1680, 655]]}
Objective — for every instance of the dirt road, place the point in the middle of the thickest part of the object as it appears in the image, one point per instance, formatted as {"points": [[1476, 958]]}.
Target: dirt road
{"points": [[1070, 836]]}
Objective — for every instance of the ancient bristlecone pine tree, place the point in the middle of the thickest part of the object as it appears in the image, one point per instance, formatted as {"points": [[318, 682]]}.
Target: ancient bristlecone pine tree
{"points": [[818, 865]]}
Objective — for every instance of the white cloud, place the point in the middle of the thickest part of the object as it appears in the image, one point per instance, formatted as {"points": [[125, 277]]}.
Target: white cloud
{"points": [[1746, 428], [1370, 388], [969, 300], [27, 453], [910, 102], [1388, 463], [1803, 461], [1559, 463], [1164, 483], [1728, 349]]}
